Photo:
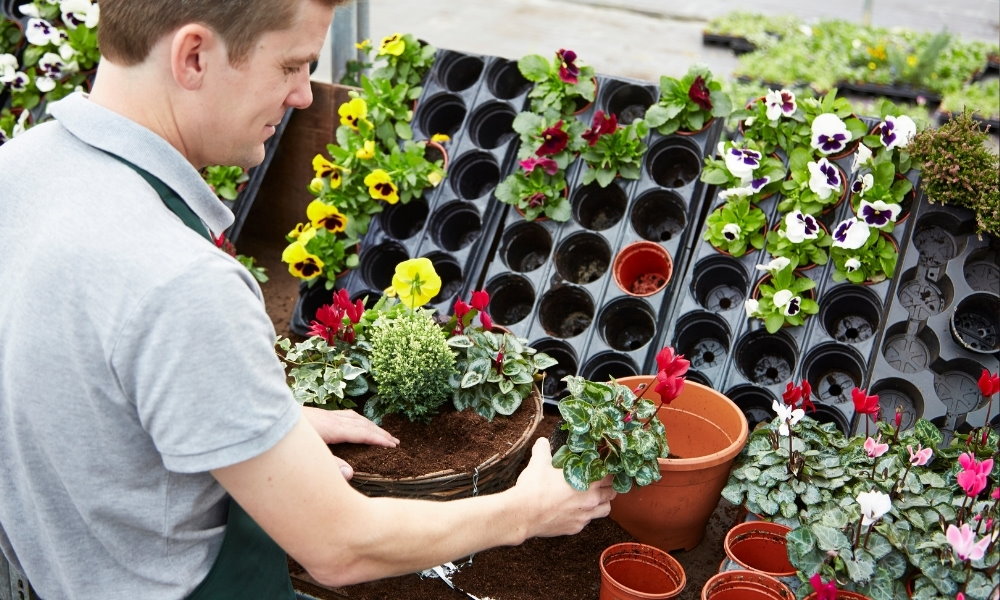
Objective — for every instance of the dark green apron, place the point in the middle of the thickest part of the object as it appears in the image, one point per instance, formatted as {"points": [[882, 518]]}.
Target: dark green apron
{"points": [[249, 564]]}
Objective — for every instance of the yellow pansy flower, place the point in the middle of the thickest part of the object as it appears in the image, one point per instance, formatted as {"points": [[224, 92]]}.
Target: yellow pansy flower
{"points": [[416, 282], [299, 231], [301, 263], [353, 111], [393, 44], [434, 177], [380, 186], [440, 138], [325, 215], [364, 45], [322, 166], [911, 60], [316, 185], [367, 151]]}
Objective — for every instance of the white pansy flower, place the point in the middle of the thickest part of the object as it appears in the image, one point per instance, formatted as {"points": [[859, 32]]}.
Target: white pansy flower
{"points": [[8, 66], [879, 213], [742, 162], [863, 184], [793, 307], [852, 264], [824, 178], [861, 157], [896, 132], [30, 10], [80, 12], [777, 263], [800, 227], [751, 306], [874, 505], [850, 234], [731, 231], [51, 69], [779, 103], [781, 298], [40, 32]]}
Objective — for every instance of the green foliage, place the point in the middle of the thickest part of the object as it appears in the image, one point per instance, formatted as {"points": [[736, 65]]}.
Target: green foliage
{"points": [[323, 375], [11, 36], [760, 30], [551, 96], [750, 227], [715, 172], [225, 181], [610, 432], [409, 67], [537, 193], [494, 372], [531, 128], [337, 252], [411, 364], [813, 251], [617, 153], [981, 98], [775, 307], [957, 168], [389, 109], [877, 259], [259, 273], [798, 191], [677, 110]]}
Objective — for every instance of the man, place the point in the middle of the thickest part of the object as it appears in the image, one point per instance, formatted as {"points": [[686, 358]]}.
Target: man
{"points": [[139, 390]]}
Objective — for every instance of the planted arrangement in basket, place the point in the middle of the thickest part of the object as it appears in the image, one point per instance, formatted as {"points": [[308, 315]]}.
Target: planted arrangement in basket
{"points": [[613, 430], [743, 170], [613, 150], [736, 226], [781, 298], [563, 85], [688, 104]]}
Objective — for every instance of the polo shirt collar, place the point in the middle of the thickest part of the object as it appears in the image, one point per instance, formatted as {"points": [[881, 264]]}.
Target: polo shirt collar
{"points": [[111, 132]]}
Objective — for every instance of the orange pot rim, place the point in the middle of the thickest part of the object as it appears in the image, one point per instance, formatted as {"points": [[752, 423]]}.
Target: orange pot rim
{"points": [[672, 564], [699, 462], [746, 529]]}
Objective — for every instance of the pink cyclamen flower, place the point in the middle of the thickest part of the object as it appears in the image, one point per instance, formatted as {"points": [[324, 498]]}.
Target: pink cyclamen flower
{"points": [[921, 457], [972, 477], [874, 448], [824, 591], [962, 540], [996, 493]]}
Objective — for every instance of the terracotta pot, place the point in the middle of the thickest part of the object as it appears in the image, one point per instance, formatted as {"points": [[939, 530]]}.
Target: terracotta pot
{"points": [[745, 585], [631, 571], [705, 432], [759, 546], [642, 268], [581, 107], [434, 150], [707, 124]]}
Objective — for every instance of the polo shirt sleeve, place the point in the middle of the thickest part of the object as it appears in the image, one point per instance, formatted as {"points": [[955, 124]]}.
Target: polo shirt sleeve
{"points": [[197, 359]]}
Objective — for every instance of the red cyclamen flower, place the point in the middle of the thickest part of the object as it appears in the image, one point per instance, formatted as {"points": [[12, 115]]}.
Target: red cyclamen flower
{"points": [[824, 591], [461, 308], [328, 322], [353, 310], [602, 124], [554, 140], [699, 93], [480, 299], [989, 384], [670, 378], [865, 404], [485, 320], [569, 72], [799, 396]]}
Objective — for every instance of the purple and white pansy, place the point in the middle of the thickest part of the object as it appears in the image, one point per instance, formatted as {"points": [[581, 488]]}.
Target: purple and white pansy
{"points": [[731, 231], [751, 306], [40, 32], [776, 264], [8, 67], [756, 185], [80, 12], [742, 162], [862, 184], [850, 234], [852, 264], [779, 103], [788, 302], [824, 178], [878, 213], [896, 132], [51, 69], [800, 227], [829, 134]]}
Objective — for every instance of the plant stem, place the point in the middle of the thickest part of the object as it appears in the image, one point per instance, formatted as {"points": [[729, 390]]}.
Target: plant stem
{"points": [[868, 535], [899, 484]]}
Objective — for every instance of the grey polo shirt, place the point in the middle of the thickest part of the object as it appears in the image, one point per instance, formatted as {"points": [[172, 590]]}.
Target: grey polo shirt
{"points": [[134, 358]]}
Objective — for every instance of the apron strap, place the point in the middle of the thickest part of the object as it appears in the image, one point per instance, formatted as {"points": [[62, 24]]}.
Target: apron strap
{"points": [[250, 564]]}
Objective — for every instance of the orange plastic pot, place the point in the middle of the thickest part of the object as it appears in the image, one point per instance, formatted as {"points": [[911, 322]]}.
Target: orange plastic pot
{"points": [[631, 571], [705, 432], [760, 546], [745, 585], [642, 268]]}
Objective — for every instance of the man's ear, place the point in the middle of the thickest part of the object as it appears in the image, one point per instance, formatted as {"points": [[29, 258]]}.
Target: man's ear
{"points": [[191, 49]]}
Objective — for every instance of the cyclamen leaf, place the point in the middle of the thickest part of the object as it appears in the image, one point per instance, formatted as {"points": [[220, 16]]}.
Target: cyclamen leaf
{"points": [[471, 378], [828, 538], [506, 404], [543, 361], [859, 570]]}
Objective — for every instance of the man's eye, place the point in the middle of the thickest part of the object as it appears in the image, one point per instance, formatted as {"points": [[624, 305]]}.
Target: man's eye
{"points": [[290, 70]]}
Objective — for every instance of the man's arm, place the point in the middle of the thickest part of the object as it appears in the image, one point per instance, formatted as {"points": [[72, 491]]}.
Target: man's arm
{"points": [[296, 492]]}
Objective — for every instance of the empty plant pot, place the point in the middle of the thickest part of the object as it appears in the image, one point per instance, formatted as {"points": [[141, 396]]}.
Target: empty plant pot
{"points": [[759, 546], [746, 585], [705, 431], [512, 298], [975, 324], [474, 175], [642, 268], [443, 113], [631, 571], [505, 81]]}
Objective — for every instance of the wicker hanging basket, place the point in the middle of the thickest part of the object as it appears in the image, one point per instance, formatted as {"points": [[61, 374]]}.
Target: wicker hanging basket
{"points": [[496, 473]]}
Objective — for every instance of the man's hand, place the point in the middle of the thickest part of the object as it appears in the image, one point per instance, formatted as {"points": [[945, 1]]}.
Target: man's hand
{"points": [[560, 510], [338, 426]]}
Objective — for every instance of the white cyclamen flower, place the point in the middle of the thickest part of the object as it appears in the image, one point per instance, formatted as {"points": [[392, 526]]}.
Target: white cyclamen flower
{"points": [[896, 132], [873, 506], [861, 157], [779, 103], [824, 178], [750, 306], [829, 134], [80, 12], [800, 227], [731, 231], [742, 162], [41, 33], [787, 415], [852, 264], [777, 263], [850, 234], [8, 66]]}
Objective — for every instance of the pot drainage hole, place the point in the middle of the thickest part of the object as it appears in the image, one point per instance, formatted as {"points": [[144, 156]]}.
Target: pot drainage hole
{"points": [[852, 328], [921, 299], [771, 370], [936, 246], [907, 354], [708, 353], [835, 387], [977, 331]]}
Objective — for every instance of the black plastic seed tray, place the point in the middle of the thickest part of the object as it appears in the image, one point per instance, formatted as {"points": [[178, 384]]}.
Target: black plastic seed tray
{"points": [[942, 324], [552, 282], [473, 99], [738, 44]]}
